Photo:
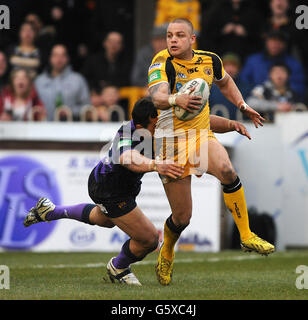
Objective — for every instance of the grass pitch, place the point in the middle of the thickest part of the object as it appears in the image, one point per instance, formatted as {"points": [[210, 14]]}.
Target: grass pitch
{"points": [[197, 276]]}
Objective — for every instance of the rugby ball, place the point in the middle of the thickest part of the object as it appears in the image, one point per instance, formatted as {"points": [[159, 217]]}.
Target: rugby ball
{"points": [[201, 89]]}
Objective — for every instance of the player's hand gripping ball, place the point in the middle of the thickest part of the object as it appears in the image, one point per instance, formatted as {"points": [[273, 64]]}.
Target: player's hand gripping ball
{"points": [[201, 89]]}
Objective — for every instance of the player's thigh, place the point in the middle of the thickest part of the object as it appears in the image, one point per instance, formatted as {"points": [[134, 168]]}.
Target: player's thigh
{"points": [[97, 217], [137, 226], [219, 163], [179, 196]]}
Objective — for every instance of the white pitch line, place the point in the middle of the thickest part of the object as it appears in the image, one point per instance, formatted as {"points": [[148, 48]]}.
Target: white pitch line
{"points": [[102, 264]]}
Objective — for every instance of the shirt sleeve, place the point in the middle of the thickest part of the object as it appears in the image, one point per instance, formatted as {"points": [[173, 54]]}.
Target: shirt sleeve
{"points": [[218, 68], [157, 71]]}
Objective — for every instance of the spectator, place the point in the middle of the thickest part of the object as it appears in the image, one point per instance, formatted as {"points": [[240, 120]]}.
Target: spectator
{"points": [[109, 65], [275, 93], [102, 20], [3, 70], [219, 104], [110, 110], [18, 10], [232, 25], [45, 36], [90, 112], [60, 85], [62, 29], [95, 96], [256, 68], [139, 76], [70, 21], [26, 55], [19, 100], [279, 17]]}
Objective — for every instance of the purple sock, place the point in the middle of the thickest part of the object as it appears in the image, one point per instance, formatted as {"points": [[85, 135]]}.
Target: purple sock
{"points": [[78, 212], [125, 257]]}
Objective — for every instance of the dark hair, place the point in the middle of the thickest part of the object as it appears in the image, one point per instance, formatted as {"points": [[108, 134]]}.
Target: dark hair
{"points": [[277, 34], [144, 109], [57, 44], [280, 65]]}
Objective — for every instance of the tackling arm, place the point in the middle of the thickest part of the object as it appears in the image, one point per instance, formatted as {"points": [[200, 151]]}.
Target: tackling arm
{"points": [[135, 161], [223, 125]]}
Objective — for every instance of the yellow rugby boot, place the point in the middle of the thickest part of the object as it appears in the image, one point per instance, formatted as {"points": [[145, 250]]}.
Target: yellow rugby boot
{"points": [[164, 268], [256, 244]]}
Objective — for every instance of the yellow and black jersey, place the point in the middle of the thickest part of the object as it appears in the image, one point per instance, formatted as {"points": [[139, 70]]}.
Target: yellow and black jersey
{"points": [[176, 72]]}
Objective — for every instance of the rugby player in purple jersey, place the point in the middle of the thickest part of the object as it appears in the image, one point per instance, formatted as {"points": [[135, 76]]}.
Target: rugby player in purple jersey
{"points": [[114, 184]]}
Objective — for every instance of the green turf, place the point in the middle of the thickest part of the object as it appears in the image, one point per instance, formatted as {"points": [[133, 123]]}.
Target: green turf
{"points": [[224, 275]]}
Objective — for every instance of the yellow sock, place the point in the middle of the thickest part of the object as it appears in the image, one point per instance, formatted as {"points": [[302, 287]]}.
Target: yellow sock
{"points": [[170, 239], [235, 202]]}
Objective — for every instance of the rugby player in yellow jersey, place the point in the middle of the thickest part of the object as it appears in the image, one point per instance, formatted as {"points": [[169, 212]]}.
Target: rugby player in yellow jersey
{"points": [[170, 69]]}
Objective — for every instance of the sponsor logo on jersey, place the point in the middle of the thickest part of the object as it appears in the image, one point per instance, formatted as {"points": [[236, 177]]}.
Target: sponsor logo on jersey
{"points": [[122, 204], [192, 70], [155, 66], [178, 86], [124, 143], [181, 75], [199, 61], [207, 71], [155, 75]]}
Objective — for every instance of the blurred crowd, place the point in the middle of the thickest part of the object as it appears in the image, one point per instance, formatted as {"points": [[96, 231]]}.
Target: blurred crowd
{"points": [[67, 60]]}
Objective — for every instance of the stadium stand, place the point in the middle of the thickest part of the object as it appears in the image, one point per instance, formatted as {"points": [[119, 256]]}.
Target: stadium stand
{"points": [[102, 48]]}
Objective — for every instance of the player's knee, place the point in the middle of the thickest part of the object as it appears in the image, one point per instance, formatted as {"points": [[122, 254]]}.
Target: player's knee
{"points": [[182, 218], [101, 221], [108, 224], [152, 241], [227, 172]]}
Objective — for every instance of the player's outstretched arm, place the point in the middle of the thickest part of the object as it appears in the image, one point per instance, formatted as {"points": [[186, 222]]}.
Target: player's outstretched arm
{"points": [[134, 161], [223, 125], [163, 100], [229, 89]]}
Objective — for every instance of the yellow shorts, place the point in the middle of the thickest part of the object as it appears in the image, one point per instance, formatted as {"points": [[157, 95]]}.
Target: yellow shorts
{"points": [[189, 150]]}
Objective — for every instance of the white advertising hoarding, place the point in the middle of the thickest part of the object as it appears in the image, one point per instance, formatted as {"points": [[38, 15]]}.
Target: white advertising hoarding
{"points": [[62, 176], [273, 168]]}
